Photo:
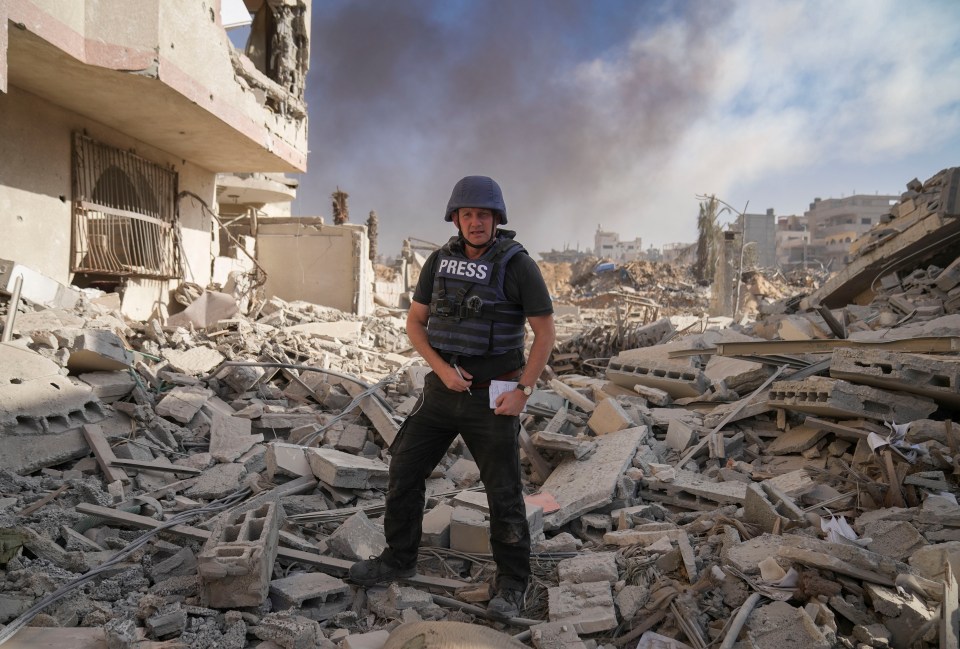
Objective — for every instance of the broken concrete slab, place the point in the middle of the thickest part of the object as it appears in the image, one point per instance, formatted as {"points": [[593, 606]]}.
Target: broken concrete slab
{"points": [[588, 607], [580, 486], [345, 471], [836, 398], [183, 402], [357, 539]]}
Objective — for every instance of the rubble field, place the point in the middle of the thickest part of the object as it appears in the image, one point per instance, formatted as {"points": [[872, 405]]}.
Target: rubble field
{"points": [[785, 480]]}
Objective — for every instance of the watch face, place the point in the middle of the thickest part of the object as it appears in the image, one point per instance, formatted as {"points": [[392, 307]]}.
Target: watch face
{"points": [[527, 390]]}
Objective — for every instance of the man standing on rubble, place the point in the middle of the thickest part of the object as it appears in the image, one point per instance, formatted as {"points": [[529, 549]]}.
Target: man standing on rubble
{"points": [[467, 322]]}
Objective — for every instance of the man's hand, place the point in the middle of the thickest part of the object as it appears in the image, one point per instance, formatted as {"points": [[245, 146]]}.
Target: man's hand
{"points": [[456, 378], [510, 403]]}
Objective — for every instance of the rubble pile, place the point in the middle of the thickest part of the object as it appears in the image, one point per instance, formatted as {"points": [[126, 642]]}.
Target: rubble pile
{"points": [[209, 483]]}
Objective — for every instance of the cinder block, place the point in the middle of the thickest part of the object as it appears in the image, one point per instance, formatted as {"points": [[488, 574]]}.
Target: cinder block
{"points": [[315, 595], [469, 531], [237, 560], [609, 417], [588, 607], [935, 377], [835, 398]]}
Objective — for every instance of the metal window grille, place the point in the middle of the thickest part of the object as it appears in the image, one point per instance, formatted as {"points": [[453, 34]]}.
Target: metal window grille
{"points": [[124, 213]]}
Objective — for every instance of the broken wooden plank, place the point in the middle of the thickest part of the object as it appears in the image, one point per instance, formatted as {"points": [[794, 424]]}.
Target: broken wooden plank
{"points": [[26, 511], [378, 415], [93, 433]]}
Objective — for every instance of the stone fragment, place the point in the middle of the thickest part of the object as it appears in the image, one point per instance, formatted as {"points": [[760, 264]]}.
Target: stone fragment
{"points": [[929, 560], [342, 470], [368, 640], [94, 350], [599, 566], [436, 527], [895, 539], [464, 473], [795, 440], [194, 361], [230, 437], [286, 460], [216, 482], [680, 436], [778, 625], [288, 631], [631, 599], [183, 402], [609, 417], [109, 386], [241, 377], [555, 635], [469, 531], [588, 607], [357, 539]]}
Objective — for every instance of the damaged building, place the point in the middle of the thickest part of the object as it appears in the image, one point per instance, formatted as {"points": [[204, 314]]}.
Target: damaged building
{"points": [[188, 463]]}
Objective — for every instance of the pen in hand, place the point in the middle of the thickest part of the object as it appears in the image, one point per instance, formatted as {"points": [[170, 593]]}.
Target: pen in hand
{"points": [[457, 368]]}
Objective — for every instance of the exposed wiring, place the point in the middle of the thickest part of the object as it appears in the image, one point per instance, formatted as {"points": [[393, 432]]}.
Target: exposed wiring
{"points": [[179, 519]]}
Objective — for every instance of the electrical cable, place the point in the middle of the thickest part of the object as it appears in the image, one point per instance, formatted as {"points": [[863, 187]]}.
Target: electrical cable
{"points": [[24, 618]]}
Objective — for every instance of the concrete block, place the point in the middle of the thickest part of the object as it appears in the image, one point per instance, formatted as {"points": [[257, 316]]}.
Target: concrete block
{"points": [[36, 399], [769, 508], [555, 635], [836, 398], [929, 561], [778, 625], [286, 460], [585, 568], [895, 539], [169, 621], [241, 377], [472, 500], [230, 437], [315, 595], [288, 631], [588, 607], [608, 417], [696, 488], [216, 482], [339, 469], [236, 561], [949, 277], [183, 402], [652, 367], [580, 486], [680, 436], [469, 531], [903, 613], [357, 539], [795, 440], [352, 439], [94, 350], [436, 527], [194, 361], [631, 599], [937, 378], [109, 386], [464, 473]]}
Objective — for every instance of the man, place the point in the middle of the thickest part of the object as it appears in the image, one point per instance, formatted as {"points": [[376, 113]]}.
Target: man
{"points": [[467, 322]]}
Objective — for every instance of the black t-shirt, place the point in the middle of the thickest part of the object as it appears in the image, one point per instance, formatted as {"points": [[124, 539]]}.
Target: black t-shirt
{"points": [[522, 284]]}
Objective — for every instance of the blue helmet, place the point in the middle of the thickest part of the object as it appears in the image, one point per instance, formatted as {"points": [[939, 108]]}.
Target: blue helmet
{"points": [[477, 191]]}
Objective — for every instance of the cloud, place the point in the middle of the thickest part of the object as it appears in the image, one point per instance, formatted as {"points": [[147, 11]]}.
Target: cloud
{"points": [[618, 113]]}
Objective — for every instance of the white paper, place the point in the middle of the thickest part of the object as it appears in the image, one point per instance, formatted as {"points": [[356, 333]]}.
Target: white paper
{"points": [[499, 387]]}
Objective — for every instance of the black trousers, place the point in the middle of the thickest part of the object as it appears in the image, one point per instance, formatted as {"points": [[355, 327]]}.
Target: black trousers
{"points": [[440, 415]]}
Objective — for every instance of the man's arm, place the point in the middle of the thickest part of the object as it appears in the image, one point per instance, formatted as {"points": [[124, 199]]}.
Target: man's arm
{"points": [[544, 335], [417, 333]]}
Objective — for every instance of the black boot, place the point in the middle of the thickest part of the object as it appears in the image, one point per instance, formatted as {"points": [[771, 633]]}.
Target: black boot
{"points": [[377, 571]]}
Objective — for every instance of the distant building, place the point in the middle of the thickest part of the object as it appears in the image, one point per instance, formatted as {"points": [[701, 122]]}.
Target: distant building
{"points": [[793, 242], [678, 253], [834, 223], [607, 245], [567, 255], [761, 231]]}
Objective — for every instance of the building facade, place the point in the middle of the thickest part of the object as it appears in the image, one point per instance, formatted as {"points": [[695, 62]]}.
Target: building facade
{"points": [[115, 119], [835, 223], [607, 245]]}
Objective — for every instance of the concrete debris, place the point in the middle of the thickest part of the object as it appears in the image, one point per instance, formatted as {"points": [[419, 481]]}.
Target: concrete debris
{"points": [[668, 488]]}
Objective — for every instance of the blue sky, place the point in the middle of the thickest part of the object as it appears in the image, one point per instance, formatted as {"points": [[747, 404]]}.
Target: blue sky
{"points": [[620, 112]]}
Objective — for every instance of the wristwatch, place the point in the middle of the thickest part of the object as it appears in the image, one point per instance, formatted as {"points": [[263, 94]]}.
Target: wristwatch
{"points": [[526, 389]]}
